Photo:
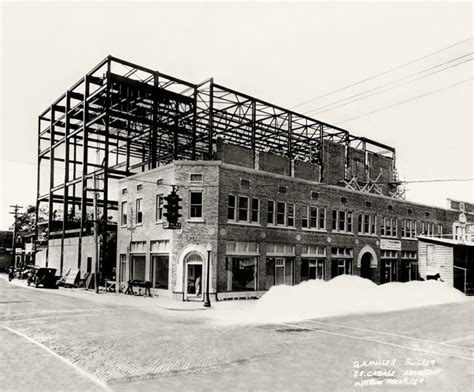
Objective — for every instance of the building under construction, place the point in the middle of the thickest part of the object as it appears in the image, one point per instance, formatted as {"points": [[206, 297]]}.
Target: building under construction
{"points": [[122, 119]]}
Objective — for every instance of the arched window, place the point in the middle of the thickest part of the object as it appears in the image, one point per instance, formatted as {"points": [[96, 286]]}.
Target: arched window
{"points": [[193, 258]]}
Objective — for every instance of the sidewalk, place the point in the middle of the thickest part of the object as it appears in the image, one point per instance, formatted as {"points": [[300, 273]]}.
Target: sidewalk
{"points": [[220, 312]]}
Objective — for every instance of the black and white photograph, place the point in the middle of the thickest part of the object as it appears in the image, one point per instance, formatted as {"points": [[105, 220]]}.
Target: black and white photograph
{"points": [[236, 196]]}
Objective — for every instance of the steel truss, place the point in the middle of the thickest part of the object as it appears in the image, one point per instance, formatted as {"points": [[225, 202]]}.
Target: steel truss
{"points": [[122, 118]]}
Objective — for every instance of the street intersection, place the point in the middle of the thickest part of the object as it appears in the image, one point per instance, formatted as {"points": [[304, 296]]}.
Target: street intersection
{"points": [[66, 340]]}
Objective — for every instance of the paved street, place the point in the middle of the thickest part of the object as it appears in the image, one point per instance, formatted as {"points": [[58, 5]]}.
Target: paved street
{"points": [[66, 340]]}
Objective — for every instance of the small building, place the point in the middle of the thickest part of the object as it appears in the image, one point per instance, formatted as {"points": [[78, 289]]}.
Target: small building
{"points": [[452, 259], [6, 238], [24, 248]]}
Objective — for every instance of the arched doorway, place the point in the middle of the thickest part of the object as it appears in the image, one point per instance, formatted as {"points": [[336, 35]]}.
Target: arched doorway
{"points": [[366, 261], [193, 268], [365, 265]]}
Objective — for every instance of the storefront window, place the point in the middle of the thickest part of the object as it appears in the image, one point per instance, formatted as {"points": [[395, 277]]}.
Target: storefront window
{"points": [[160, 268], [123, 268], [138, 268], [313, 269], [243, 273]]}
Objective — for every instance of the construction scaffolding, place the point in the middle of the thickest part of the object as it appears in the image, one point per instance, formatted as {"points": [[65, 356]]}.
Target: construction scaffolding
{"points": [[122, 118]]}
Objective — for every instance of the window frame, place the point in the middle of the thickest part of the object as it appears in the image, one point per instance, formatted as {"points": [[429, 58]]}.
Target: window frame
{"points": [[194, 206], [243, 209], [159, 205], [232, 208], [139, 212], [367, 224], [347, 222], [271, 213], [122, 215]]}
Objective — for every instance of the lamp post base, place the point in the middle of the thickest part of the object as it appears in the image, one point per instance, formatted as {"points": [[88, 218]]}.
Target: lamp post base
{"points": [[207, 303]]}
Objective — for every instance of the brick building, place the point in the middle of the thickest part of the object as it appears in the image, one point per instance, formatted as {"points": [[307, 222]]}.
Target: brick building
{"points": [[264, 225], [271, 195]]}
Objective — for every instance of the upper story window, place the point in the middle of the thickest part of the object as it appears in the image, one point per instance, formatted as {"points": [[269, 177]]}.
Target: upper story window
{"points": [[195, 205], [313, 218], [159, 208], [282, 189], [440, 230], [139, 212], [408, 228], [281, 213], [409, 254], [245, 183], [255, 210], [139, 187], [123, 218], [124, 191], [427, 228], [314, 195], [196, 177], [243, 209], [342, 221], [389, 227], [367, 224]]}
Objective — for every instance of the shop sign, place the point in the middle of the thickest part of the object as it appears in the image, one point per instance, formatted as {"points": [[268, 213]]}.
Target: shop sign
{"points": [[196, 238], [390, 244]]}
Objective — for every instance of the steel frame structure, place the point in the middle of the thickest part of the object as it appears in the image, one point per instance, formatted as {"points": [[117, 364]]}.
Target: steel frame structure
{"points": [[136, 119]]}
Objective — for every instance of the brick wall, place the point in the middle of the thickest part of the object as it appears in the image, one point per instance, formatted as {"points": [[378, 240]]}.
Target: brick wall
{"points": [[265, 187], [333, 162], [220, 179]]}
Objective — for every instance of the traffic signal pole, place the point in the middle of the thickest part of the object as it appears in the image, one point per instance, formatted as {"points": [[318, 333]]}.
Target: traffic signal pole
{"points": [[172, 207]]}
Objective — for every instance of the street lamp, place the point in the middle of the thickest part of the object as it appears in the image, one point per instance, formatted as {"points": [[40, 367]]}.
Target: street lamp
{"points": [[207, 300]]}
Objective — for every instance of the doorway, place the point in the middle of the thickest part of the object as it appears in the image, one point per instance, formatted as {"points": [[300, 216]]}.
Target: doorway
{"points": [[365, 265], [193, 277]]}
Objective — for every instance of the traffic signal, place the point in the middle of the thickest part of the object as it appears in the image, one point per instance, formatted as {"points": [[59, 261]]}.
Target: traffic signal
{"points": [[172, 208]]}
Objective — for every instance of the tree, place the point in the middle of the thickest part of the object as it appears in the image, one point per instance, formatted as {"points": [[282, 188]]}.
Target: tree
{"points": [[26, 221]]}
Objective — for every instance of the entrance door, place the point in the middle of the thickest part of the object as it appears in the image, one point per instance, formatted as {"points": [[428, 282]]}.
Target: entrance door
{"points": [[365, 265], [194, 284], [194, 281], [279, 271]]}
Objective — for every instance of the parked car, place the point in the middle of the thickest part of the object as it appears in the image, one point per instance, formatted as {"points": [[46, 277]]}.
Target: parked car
{"points": [[45, 277]]}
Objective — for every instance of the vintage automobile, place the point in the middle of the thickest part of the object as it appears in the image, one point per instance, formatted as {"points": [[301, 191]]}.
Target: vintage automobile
{"points": [[45, 277]]}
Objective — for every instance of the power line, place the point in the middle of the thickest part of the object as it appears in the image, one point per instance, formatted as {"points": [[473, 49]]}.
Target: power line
{"points": [[384, 73], [439, 180], [405, 101], [328, 106], [273, 185]]}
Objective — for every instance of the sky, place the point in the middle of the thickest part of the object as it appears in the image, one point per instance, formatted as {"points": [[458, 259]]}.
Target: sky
{"points": [[284, 53]]}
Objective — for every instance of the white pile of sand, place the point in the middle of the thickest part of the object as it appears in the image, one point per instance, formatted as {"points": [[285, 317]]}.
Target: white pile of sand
{"points": [[344, 294]]}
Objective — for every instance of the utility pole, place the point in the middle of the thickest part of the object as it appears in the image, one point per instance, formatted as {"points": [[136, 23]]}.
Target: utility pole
{"points": [[129, 247], [16, 207], [96, 231]]}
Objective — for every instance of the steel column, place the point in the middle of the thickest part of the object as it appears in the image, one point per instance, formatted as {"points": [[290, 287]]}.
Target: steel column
{"points": [[85, 146], [66, 179], [211, 118], [51, 178]]}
